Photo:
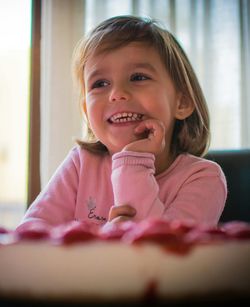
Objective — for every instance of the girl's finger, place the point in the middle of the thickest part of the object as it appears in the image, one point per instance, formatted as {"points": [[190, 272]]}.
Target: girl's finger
{"points": [[151, 126], [143, 126]]}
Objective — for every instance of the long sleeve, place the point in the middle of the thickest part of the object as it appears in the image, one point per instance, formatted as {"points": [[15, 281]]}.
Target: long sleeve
{"points": [[80, 190], [134, 183], [201, 196], [192, 189], [56, 203]]}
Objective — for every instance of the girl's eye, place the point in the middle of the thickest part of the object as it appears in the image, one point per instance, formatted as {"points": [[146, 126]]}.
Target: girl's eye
{"points": [[139, 77], [100, 83]]}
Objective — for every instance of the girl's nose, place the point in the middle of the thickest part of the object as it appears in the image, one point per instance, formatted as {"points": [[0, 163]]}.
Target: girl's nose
{"points": [[119, 94]]}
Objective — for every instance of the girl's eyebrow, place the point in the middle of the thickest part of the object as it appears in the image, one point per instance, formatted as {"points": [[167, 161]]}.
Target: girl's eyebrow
{"points": [[140, 65], [94, 73], [144, 65]]}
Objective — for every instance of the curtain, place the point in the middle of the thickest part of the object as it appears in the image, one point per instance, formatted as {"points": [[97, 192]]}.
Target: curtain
{"points": [[214, 33]]}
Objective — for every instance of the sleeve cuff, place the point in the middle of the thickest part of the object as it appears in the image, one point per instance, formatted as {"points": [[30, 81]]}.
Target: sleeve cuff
{"points": [[133, 158]]}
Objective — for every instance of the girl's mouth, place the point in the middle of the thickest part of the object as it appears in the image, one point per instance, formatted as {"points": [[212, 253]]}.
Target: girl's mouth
{"points": [[125, 117]]}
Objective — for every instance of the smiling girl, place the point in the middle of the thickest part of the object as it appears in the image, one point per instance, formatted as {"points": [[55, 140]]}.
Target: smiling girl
{"points": [[148, 128]]}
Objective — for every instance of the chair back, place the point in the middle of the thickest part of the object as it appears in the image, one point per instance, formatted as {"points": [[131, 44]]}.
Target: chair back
{"points": [[236, 167]]}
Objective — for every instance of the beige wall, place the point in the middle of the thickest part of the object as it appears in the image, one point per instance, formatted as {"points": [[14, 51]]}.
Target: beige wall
{"points": [[62, 27]]}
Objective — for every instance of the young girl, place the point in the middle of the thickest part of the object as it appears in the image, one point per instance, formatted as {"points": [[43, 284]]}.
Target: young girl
{"points": [[148, 127]]}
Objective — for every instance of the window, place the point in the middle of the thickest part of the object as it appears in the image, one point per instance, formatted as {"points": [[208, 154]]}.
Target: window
{"points": [[15, 43]]}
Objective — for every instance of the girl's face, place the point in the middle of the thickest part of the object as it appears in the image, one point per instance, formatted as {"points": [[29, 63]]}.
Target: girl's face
{"points": [[125, 86]]}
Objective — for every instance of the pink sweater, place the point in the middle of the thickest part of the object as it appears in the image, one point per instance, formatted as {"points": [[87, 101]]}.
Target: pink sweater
{"points": [[86, 185]]}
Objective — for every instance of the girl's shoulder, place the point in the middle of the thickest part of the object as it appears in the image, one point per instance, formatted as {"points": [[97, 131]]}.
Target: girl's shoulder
{"points": [[201, 164], [190, 164], [80, 155]]}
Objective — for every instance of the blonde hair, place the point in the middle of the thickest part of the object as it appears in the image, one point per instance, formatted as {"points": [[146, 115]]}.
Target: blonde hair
{"points": [[190, 135]]}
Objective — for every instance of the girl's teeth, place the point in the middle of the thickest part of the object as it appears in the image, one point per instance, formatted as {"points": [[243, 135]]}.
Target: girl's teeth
{"points": [[125, 117]]}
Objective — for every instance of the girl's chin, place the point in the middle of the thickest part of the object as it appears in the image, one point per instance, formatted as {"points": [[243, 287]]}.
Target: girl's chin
{"points": [[119, 146]]}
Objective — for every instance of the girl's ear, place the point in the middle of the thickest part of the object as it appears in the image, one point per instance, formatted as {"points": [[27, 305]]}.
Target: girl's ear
{"points": [[184, 107]]}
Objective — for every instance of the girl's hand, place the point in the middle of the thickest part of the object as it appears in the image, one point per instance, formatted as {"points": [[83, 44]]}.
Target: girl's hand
{"points": [[152, 137], [121, 213]]}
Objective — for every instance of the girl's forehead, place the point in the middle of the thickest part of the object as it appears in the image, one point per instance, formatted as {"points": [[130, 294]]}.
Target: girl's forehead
{"points": [[106, 47], [130, 51]]}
